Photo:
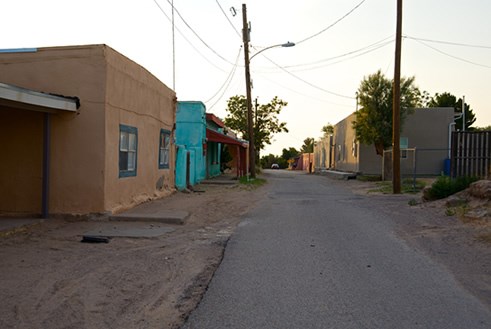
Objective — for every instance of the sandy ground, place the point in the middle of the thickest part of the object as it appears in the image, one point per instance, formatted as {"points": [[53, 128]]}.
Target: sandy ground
{"points": [[49, 279]]}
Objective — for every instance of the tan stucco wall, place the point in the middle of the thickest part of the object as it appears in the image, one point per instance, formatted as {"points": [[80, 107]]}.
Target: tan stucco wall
{"points": [[426, 129], [77, 140], [113, 90], [346, 147], [138, 99], [322, 149]]}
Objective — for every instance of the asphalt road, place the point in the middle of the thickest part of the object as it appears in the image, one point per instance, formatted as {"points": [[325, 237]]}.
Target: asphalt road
{"points": [[313, 255]]}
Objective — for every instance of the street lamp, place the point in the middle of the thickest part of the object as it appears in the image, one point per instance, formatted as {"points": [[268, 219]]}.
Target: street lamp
{"points": [[250, 127], [287, 44]]}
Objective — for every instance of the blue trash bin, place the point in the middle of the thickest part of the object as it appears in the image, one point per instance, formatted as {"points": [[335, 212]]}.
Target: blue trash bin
{"points": [[446, 167]]}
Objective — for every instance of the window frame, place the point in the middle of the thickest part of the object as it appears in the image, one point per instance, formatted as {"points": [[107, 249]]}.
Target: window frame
{"points": [[404, 145], [166, 134], [125, 129]]}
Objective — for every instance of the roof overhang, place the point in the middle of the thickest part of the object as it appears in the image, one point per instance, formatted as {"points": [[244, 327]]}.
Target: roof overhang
{"points": [[215, 136], [213, 118], [26, 99]]}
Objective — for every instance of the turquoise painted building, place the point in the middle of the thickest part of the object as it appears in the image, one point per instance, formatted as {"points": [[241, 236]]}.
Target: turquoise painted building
{"points": [[190, 143], [200, 140]]}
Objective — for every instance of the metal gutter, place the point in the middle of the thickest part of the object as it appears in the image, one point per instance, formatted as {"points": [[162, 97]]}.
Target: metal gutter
{"points": [[20, 96]]}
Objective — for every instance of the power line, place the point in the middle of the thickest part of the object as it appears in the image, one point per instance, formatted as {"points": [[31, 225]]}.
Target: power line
{"points": [[197, 35], [226, 83], [452, 56], [347, 59], [228, 19], [302, 94], [187, 40], [352, 55], [307, 82], [447, 42], [333, 24]]}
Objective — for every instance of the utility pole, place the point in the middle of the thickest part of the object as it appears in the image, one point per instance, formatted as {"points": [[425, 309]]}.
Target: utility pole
{"points": [[396, 107], [250, 128], [173, 50]]}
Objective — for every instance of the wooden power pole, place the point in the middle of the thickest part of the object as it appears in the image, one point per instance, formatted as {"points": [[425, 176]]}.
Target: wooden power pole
{"points": [[250, 127], [396, 107]]}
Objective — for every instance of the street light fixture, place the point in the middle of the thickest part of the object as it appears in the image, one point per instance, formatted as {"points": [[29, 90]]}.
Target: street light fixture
{"points": [[250, 127], [287, 44]]}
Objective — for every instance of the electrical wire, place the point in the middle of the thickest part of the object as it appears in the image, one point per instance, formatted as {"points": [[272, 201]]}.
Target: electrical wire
{"points": [[187, 40], [333, 24], [375, 44], [228, 19], [302, 94], [307, 82], [346, 59], [452, 56], [226, 83], [197, 35], [447, 42]]}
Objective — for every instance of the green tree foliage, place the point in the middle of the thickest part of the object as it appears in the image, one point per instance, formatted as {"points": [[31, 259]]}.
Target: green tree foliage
{"points": [[448, 100], [328, 129], [266, 122], [289, 153], [373, 123], [486, 128], [268, 160], [308, 145]]}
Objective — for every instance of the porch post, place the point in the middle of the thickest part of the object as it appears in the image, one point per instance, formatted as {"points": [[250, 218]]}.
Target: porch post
{"points": [[46, 165]]}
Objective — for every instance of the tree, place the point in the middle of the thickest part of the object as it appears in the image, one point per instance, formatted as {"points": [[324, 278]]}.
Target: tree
{"points": [[268, 160], [266, 120], [446, 99], [486, 128], [328, 129], [308, 145], [373, 123], [289, 153]]}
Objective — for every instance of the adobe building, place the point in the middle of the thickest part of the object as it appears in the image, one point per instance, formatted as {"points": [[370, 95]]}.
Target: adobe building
{"points": [[200, 140], [425, 145], [83, 130]]}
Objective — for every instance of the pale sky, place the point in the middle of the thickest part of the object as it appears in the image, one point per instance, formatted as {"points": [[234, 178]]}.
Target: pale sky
{"points": [[447, 48]]}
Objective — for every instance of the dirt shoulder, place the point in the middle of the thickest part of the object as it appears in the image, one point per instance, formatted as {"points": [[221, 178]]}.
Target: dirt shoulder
{"points": [[50, 279]]}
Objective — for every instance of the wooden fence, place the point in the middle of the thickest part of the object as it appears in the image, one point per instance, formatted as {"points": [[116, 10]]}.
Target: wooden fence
{"points": [[471, 154]]}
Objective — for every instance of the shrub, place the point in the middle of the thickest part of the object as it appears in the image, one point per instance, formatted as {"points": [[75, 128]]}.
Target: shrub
{"points": [[445, 186]]}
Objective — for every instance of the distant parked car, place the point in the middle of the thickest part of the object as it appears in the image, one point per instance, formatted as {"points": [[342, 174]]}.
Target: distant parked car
{"points": [[275, 166]]}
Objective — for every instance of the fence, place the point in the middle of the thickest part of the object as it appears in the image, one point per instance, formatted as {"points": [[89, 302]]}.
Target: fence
{"points": [[418, 162], [471, 153]]}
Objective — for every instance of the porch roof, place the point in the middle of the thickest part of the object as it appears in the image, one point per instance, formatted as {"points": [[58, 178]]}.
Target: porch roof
{"points": [[215, 136], [26, 99]]}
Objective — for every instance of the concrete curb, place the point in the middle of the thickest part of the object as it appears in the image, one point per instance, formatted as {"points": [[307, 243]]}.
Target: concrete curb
{"points": [[167, 217]]}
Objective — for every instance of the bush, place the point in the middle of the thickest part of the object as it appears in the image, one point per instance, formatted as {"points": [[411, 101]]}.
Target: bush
{"points": [[445, 186]]}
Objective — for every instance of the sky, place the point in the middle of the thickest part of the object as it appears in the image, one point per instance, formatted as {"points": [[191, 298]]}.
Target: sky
{"points": [[446, 47]]}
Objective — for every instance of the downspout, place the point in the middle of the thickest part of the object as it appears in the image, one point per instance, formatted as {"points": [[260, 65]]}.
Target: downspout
{"points": [[46, 165]]}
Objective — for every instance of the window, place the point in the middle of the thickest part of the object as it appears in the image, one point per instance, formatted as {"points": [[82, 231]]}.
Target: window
{"points": [[354, 148], [340, 152], [128, 144], [404, 144], [164, 148]]}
